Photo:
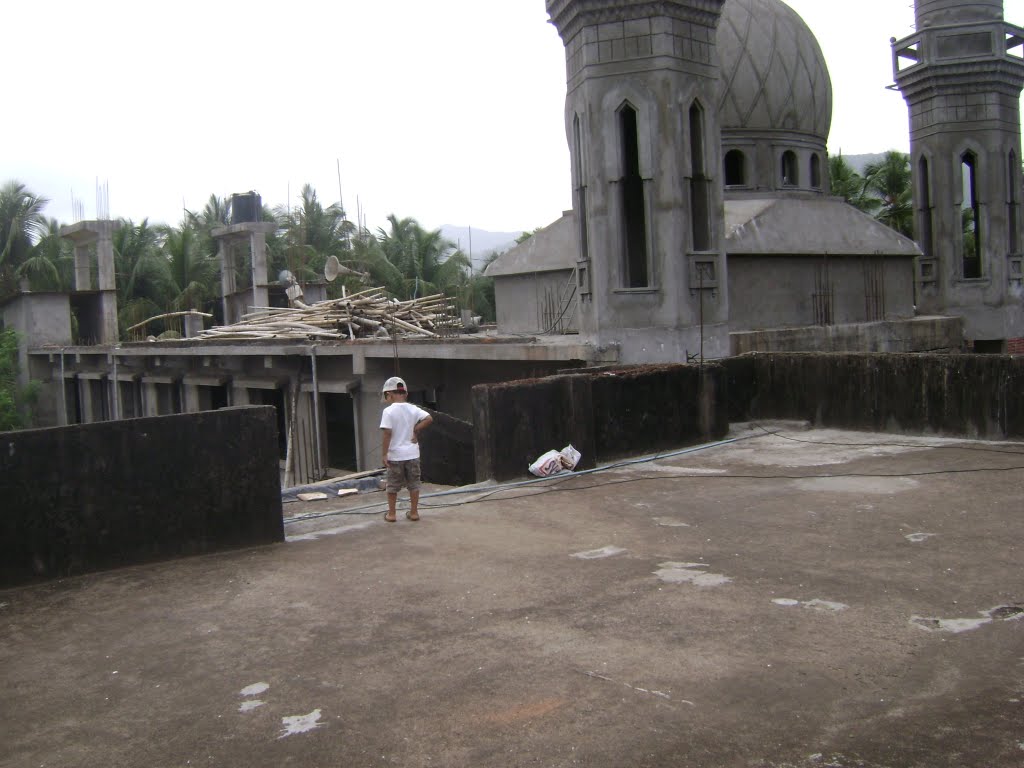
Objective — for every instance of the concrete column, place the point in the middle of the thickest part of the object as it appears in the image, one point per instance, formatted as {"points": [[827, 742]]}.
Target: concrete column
{"points": [[193, 325], [258, 245], [150, 399], [109, 333], [85, 398], [227, 278], [83, 280], [240, 395], [191, 404]]}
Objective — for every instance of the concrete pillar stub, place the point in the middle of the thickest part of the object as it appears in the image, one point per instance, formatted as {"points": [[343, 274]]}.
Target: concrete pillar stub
{"points": [[254, 234], [84, 234]]}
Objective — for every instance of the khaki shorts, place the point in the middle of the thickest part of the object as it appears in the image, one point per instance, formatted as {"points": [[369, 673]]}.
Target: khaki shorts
{"points": [[403, 474]]}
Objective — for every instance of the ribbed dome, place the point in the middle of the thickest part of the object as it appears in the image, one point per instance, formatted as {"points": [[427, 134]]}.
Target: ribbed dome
{"points": [[774, 76]]}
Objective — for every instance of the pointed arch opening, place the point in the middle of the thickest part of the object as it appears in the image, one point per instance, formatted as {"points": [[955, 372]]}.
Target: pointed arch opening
{"points": [[634, 206], [816, 171], [735, 168], [924, 208], [1013, 203], [700, 185], [790, 169], [970, 217], [580, 188]]}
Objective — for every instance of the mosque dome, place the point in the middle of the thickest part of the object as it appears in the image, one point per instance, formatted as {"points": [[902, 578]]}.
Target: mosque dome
{"points": [[774, 76]]}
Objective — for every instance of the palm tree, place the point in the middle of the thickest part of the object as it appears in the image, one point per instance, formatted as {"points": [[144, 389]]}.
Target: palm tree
{"points": [[21, 225], [426, 261], [313, 233], [51, 263], [889, 182], [192, 275], [141, 273], [847, 183]]}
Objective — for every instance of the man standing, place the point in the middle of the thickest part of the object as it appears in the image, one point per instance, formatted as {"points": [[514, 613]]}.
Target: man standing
{"points": [[400, 426]]}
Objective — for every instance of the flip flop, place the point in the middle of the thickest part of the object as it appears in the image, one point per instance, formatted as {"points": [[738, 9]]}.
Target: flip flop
{"points": [[408, 516], [388, 519]]}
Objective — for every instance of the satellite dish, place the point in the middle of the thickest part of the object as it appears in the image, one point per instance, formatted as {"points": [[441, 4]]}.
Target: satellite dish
{"points": [[332, 269]]}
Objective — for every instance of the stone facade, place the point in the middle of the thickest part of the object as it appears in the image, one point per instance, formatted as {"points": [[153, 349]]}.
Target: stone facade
{"points": [[961, 74]]}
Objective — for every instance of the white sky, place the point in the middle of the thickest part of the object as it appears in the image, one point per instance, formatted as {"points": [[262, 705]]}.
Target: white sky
{"points": [[447, 111]]}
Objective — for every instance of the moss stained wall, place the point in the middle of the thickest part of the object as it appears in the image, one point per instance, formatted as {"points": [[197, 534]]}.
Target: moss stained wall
{"points": [[96, 496], [977, 396], [605, 415]]}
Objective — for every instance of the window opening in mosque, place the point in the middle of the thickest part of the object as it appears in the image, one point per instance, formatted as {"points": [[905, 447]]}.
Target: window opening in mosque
{"points": [[925, 208], [633, 205], [735, 168], [789, 169], [970, 213], [816, 171], [700, 187], [581, 189], [1012, 203]]}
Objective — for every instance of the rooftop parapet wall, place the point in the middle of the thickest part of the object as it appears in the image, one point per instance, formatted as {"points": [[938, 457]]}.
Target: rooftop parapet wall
{"points": [[976, 396], [98, 496], [605, 415]]}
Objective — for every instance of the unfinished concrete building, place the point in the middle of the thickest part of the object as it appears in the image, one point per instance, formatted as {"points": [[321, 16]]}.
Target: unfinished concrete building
{"points": [[702, 226]]}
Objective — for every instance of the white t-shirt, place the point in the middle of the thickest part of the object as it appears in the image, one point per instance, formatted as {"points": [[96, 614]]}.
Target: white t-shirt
{"points": [[400, 418]]}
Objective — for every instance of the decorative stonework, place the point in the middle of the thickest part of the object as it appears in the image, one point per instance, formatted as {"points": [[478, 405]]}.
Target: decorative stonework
{"points": [[774, 75], [571, 16]]}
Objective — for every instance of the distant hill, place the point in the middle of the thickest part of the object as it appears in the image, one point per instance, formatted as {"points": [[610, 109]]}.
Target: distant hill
{"points": [[860, 162], [482, 242]]}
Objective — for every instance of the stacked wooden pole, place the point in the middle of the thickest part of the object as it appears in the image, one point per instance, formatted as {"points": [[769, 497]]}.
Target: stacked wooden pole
{"points": [[369, 313]]}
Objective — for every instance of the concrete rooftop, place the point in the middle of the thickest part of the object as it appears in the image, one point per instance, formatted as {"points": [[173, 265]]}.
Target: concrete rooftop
{"points": [[816, 599]]}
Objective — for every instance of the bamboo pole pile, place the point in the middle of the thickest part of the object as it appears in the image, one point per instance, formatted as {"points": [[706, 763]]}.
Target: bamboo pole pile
{"points": [[367, 314]]}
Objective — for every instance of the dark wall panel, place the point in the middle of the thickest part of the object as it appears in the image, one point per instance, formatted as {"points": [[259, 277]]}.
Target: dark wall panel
{"points": [[97, 496]]}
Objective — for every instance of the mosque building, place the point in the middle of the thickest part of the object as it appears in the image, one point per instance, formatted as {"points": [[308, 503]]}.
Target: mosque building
{"points": [[702, 226]]}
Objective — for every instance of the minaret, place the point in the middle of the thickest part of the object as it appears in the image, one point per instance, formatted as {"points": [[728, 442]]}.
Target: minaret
{"points": [[961, 74], [642, 124]]}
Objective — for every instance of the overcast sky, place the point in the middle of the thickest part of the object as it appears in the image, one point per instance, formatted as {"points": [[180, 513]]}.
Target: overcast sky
{"points": [[447, 111]]}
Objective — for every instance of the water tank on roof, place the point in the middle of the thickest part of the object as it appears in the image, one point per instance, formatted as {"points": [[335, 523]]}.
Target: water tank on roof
{"points": [[246, 207]]}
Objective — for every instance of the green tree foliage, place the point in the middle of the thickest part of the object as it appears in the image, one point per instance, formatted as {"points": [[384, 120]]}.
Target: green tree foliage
{"points": [[15, 401], [22, 224], [847, 183], [888, 183]]}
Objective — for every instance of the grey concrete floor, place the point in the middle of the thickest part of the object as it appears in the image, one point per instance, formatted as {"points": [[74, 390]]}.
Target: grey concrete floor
{"points": [[817, 598]]}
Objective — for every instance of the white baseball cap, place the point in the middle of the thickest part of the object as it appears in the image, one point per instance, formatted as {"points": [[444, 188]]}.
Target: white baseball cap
{"points": [[394, 384]]}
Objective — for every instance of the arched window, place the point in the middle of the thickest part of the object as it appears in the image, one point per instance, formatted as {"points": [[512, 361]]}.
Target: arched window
{"points": [[700, 187], [580, 188], [1013, 204], [816, 171], [735, 168], [970, 215], [789, 169], [634, 208], [924, 208]]}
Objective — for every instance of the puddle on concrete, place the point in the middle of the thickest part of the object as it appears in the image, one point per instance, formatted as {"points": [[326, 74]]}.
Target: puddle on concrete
{"points": [[919, 537], [255, 689], [683, 573], [667, 469], [300, 723], [875, 485], [314, 535], [825, 605], [999, 613], [594, 554], [249, 706], [814, 605], [670, 522]]}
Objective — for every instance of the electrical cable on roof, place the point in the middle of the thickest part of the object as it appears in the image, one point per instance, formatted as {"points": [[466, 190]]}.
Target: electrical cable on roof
{"points": [[557, 480]]}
